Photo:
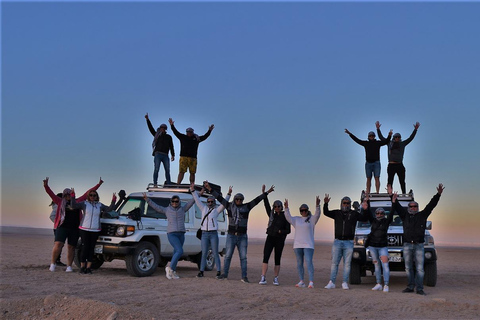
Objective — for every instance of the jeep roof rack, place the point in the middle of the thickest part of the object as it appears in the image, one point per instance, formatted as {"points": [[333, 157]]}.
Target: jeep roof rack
{"points": [[181, 187], [386, 197]]}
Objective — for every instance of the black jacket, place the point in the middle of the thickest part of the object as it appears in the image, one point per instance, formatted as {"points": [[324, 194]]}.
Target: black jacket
{"points": [[164, 142], [279, 226], [345, 222], [378, 234]]}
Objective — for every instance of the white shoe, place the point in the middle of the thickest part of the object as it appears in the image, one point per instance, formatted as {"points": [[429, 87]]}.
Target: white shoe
{"points": [[174, 275], [52, 267], [301, 284], [310, 285], [69, 269], [168, 273], [385, 288], [275, 281], [263, 280], [377, 287], [330, 285], [345, 286]]}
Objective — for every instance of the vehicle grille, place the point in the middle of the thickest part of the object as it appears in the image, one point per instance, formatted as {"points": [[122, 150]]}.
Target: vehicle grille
{"points": [[395, 240], [108, 229]]}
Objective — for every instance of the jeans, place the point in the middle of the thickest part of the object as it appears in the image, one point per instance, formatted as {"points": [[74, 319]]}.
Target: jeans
{"points": [[210, 238], [308, 254], [341, 248], [176, 239], [376, 254], [411, 252], [158, 159], [241, 242]]}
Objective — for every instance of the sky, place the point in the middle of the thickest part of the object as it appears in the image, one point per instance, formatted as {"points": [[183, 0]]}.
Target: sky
{"points": [[279, 80]]}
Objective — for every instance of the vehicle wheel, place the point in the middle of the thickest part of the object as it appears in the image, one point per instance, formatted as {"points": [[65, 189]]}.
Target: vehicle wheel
{"points": [[355, 273], [430, 278], [97, 259], [144, 260], [210, 261]]}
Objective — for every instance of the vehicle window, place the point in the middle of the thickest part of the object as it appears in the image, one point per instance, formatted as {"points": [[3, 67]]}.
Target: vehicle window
{"points": [[152, 213], [397, 221], [198, 214], [129, 205], [365, 224]]}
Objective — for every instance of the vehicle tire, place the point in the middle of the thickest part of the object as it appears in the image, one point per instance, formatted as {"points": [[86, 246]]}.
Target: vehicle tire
{"points": [[210, 260], [144, 260], [355, 273], [430, 278], [97, 259]]}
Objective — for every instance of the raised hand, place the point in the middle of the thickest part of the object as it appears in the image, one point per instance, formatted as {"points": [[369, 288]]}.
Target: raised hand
{"points": [[377, 124], [416, 125], [317, 201], [146, 116], [285, 204], [100, 181], [440, 188], [170, 120], [45, 181], [327, 198], [346, 131]]}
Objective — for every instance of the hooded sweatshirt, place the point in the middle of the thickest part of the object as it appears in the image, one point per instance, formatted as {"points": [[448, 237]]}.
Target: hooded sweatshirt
{"points": [[175, 216]]}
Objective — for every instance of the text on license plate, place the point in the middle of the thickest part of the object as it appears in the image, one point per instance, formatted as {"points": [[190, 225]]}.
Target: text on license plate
{"points": [[394, 258], [98, 248]]}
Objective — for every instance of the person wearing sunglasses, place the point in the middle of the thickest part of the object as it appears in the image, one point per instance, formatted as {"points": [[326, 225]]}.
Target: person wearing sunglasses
{"points": [[277, 230], [238, 213], [175, 214], [345, 223], [66, 223], [90, 226], [372, 155], [304, 241], [209, 227], [414, 224]]}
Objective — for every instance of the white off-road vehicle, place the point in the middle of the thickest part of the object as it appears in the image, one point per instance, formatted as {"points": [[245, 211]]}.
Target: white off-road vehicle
{"points": [[137, 233], [362, 259]]}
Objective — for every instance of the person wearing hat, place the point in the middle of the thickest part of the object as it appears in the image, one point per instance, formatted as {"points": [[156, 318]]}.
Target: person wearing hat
{"points": [[345, 222], [209, 227], [304, 242], [372, 155], [161, 145], [396, 149], [238, 213], [188, 150]]}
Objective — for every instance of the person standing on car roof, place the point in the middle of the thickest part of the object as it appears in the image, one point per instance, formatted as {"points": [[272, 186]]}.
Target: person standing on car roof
{"points": [[161, 145], [175, 229], [396, 149], [238, 213], [66, 223], [90, 226], [378, 243], [209, 227], [372, 155], [188, 150], [304, 241], [414, 224], [345, 224], [277, 231]]}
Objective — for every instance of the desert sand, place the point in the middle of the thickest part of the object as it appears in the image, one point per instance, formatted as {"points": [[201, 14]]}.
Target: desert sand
{"points": [[30, 291]]}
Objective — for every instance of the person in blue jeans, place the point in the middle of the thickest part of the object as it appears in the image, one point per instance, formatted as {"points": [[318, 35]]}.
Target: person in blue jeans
{"points": [[345, 221], [414, 224], [209, 227], [175, 214], [238, 213], [304, 242]]}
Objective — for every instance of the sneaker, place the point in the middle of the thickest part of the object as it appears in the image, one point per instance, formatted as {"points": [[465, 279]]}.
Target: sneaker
{"points": [[88, 271], [421, 292], [221, 276], [377, 287], [82, 270], [263, 280], [345, 286], [407, 290], [275, 281], [310, 285], [301, 284], [200, 274], [69, 269], [245, 280], [385, 288], [60, 264], [330, 285], [52, 267], [175, 275], [168, 273]]}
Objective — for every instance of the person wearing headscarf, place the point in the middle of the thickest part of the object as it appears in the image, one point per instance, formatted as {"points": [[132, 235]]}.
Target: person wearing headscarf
{"points": [[277, 230], [304, 240], [161, 145], [345, 222], [66, 223], [238, 213], [209, 226], [53, 213]]}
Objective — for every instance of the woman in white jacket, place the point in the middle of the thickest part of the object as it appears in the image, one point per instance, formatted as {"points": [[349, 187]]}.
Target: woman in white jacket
{"points": [[209, 228], [303, 244]]}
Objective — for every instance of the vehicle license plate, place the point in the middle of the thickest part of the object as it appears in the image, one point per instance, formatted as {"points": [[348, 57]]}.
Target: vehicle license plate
{"points": [[98, 248], [394, 257]]}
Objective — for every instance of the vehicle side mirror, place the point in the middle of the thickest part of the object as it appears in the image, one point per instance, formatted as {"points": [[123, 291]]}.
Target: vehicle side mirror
{"points": [[429, 225]]}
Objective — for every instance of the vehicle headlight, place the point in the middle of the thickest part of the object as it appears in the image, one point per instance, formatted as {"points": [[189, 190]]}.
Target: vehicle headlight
{"points": [[120, 231], [428, 255]]}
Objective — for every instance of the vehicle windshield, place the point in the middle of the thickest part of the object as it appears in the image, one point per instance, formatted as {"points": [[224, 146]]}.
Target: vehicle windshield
{"points": [[397, 221], [146, 210]]}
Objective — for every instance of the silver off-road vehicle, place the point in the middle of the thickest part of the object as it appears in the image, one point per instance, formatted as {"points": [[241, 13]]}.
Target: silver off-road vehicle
{"points": [[137, 233], [362, 259]]}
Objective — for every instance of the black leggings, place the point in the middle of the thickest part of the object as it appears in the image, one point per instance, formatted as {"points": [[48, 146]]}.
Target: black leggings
{"points": [[399, 169], [89, 239], [270, 243]]}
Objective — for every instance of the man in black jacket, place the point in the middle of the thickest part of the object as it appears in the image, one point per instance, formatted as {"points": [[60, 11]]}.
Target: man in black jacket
{"points": [[414, 224]]}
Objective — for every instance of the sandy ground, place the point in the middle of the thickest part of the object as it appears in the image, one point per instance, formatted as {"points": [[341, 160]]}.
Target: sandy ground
{"points": [[30, 291]]}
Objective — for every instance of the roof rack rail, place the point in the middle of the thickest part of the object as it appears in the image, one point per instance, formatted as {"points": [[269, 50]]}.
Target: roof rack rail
{"points": [[181, 187], [386, 197]]}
